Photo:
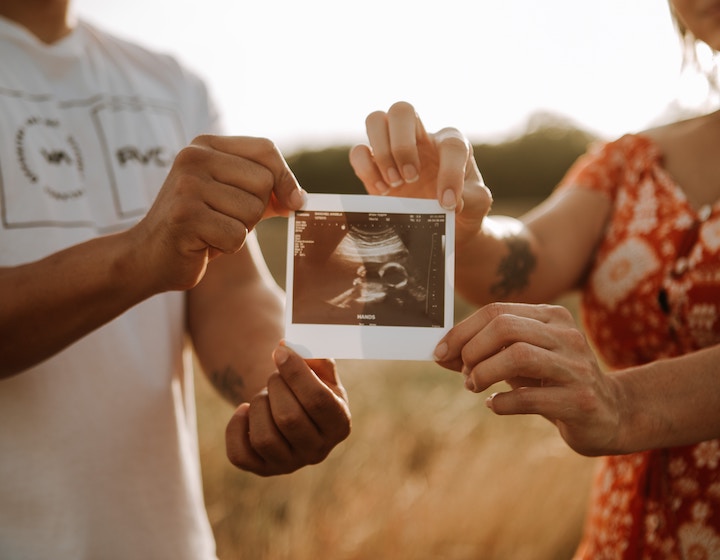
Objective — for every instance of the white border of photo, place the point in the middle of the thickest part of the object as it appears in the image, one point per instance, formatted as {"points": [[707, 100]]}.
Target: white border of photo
{"points": [[369, 341]]}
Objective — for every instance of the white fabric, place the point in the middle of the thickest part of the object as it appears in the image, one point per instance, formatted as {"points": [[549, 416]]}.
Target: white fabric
{"points": [[98, 445]]}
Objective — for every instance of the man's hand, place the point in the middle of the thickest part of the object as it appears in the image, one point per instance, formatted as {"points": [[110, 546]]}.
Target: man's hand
{"points": [[296, 421], [217, 190]]}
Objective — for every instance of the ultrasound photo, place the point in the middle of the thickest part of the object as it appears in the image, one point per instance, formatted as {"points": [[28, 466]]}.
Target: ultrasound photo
{"points": [[369, 268]]}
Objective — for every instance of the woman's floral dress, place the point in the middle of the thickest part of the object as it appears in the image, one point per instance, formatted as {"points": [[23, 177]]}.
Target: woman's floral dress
{"points": [[653, 292]]}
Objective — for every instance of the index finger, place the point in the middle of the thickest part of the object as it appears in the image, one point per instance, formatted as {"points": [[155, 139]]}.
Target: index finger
{"points": [[320, 395], [448, 351], [287, 193]]}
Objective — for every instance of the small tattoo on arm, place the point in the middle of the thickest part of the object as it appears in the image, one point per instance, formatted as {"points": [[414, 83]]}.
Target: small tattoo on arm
{"points": [[229, 383], [515, 269]]}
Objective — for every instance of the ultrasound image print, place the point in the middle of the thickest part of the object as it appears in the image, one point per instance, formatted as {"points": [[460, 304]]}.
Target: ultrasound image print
{"points": [[367, 268]]}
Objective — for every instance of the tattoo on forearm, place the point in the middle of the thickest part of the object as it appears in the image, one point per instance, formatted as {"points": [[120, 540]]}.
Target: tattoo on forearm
{"points": [[229, 383], [515, 269]]}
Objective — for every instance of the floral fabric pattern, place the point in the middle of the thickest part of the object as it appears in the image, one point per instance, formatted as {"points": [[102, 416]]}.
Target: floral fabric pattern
{"points": [[653, 292]]}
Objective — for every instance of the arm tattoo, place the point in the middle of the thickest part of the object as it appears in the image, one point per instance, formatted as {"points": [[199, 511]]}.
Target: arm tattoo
{"points": [[229, 383], [514, 270]]}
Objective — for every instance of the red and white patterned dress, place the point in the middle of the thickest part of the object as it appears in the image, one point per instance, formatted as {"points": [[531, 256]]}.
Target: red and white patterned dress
{"points": [[653, 292]]}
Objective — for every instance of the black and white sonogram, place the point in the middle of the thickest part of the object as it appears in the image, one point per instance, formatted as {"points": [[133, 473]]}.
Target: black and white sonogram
{"points": [[369, 268], [369, 277]]}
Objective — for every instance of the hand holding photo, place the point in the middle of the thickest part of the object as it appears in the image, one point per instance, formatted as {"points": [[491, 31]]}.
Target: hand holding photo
{"points": [[369, 277]]}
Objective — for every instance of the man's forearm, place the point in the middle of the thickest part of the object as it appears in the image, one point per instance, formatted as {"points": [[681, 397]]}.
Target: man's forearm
{"points": [[49, 304], [235, 321]]}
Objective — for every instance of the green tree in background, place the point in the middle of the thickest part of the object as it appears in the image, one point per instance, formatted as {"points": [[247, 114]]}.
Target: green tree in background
{"points": [[527, 166]]}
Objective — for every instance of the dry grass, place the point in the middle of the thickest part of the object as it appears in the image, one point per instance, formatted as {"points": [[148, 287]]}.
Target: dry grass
{"points": [[428, 473]]}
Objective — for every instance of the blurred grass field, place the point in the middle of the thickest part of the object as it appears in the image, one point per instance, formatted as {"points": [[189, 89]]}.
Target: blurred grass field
{"points": [[428, 473]]}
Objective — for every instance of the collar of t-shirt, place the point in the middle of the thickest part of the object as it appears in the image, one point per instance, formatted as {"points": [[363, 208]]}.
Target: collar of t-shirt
{"points": [[69, 46]]}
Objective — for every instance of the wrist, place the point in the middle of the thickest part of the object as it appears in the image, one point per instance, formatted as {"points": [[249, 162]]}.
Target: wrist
{"points": [[131, 266], [641, 425]]}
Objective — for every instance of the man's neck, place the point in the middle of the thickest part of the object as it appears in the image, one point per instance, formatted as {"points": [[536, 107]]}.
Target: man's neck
{"points": [[46, 19]]}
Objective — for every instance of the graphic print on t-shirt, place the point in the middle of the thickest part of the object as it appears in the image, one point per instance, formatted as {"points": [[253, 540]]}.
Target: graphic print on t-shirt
{"points": [[89, 163]]}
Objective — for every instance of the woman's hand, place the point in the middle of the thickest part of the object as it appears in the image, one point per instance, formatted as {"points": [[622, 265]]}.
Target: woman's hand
{"points": [[402, 159], [552, 371]]}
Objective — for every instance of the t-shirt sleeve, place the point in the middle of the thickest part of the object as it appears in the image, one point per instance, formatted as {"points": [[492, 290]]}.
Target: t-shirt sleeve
{"points": [[202, 107]]}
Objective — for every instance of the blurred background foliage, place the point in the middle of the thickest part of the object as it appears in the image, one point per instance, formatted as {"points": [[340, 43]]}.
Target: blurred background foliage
{"points": [[527, 165]]}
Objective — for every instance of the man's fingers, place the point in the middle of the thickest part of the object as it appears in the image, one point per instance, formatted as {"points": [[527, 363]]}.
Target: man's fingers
{"points": [[292, 420], [323, 399], [265, 437], [237, 442], [262, 151]]}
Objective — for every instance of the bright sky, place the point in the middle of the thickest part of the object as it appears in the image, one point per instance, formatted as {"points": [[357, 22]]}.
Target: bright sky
{"points": [[305, 73]]}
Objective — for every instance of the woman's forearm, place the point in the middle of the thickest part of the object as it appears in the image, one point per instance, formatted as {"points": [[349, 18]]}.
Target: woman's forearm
{"points": [[671, 402]]}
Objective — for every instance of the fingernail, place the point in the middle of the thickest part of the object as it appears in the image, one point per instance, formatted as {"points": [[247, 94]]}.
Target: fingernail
{"points": [[298, 198], [410, 173], [381, 187], [448, 201], [440, 352], [489, 401], [281, 355], [470, 384], [395, 179]]}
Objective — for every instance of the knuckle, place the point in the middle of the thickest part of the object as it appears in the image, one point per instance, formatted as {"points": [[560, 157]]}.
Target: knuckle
{"points": [[586, 400], [182, 207], [576, 338], [254, 210], [343, 428], [262, 442], [403, 152], [560, 313], [191, 155], [203, 139], [185, 184], [316, 403], [493, 310], [260, 180], [522, 356], [466, 355], [289, 421], [268, 144], [261, 399], [237, 458], [504, 327]]}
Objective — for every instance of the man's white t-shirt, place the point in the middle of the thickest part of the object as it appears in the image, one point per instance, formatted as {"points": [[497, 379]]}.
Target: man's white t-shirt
{"points": [[98, 444]]}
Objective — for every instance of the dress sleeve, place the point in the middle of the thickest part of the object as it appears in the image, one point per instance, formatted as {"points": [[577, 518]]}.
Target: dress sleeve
{"points": [[603, 167]]}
